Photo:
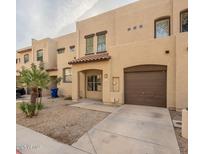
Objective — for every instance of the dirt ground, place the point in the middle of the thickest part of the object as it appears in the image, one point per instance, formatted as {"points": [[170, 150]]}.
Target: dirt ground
{"points": [[182, 142], [62, 121]]}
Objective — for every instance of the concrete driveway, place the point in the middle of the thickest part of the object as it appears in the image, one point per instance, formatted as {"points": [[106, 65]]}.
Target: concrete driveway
{"points": [[132, 129]]}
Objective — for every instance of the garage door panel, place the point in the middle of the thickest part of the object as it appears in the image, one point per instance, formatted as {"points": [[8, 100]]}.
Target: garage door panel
{"points": [[146, 88]]}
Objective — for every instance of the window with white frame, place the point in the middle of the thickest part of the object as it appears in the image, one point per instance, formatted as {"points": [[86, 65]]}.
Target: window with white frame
{"points": [[101, 43], [67, 75], [94, 83], [162, 27], [89, 45], [61, 50], [26, 58], [39, 55], [18, 60], [72, 48]]}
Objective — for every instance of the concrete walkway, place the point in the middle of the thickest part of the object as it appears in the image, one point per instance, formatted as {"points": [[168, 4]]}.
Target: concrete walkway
{"points": [[132, 129], [31, 142], [95, 105]]}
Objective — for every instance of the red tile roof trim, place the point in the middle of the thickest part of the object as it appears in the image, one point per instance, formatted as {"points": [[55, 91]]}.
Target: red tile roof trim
{"points": [[91, 58]]}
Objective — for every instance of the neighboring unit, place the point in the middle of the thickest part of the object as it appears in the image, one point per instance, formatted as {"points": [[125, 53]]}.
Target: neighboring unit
{"points": [[136, 54]]}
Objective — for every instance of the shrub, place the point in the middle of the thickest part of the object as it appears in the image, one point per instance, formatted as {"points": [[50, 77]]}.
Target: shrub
{"points": [[30, 109]]}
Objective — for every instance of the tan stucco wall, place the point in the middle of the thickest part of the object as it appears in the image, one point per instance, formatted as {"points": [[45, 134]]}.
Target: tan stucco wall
{"points": [[94, 25], [182, 70], [142, 53], [140, 13], [178, 6], [22, 64], [181, 56], [138, 47], [49, 52], [104, 67], [127, 48], [52, 54], [66, 41]]}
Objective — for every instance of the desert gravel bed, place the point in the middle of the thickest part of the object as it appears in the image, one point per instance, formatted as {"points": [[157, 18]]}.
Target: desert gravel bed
{"points": [[182, 142], [62, 122]]}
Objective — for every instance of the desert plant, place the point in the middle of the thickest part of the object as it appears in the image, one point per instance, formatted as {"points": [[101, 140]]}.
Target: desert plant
{"points": [[30, 109], [35, 78]]}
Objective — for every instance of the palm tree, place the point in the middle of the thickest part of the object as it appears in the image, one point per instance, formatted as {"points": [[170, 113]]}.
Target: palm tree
{"points": [[35, 78]]}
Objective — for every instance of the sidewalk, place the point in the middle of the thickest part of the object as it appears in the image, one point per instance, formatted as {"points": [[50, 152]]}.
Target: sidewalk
{"points": [[31, 142]]}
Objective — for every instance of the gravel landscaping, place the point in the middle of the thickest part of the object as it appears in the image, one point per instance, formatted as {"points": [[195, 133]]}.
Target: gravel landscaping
{"points": [[62, 121], [182, 142]]}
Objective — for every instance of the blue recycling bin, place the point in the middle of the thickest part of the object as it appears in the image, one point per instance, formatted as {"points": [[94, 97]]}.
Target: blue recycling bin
{"points": [[54, 92]]}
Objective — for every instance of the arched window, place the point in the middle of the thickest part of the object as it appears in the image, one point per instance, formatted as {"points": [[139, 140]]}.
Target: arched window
{"points": [[184, 21], [162, 27]]}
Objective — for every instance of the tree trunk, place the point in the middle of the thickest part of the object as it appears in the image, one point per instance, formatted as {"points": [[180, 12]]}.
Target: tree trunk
{"points": [[34, 95], [40, 99], [40, 92]]}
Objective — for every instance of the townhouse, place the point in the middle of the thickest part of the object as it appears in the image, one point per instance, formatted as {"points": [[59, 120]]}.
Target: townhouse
{"points": [[135, 54]]}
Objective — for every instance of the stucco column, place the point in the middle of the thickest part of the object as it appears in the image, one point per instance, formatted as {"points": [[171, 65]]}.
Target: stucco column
{"points": [[82, 84], [75, 86], [106, 86]]}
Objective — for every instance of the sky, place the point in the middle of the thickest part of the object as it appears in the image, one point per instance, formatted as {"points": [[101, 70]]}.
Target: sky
{"points": [[37, 19]]}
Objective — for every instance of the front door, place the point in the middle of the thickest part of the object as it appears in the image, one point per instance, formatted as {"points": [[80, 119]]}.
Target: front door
{"points": [[94, 85]]}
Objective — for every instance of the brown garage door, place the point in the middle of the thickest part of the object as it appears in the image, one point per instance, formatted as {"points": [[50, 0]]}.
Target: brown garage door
{"points": [[145, 85]]}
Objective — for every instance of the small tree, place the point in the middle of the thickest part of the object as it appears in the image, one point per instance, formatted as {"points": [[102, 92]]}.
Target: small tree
{"points": [[34, 78]]}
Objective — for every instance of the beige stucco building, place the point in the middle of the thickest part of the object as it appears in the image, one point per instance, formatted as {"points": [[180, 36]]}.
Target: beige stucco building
{"points": [[136, 54]]}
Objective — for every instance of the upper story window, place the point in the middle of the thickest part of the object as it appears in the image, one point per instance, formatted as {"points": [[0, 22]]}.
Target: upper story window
{"points": [[162, 27], [18, 60], [72, 48], [184, 21], [89, 43], [67, 75], [26, 58], [39, 55], [61, 50], [101, 41]]}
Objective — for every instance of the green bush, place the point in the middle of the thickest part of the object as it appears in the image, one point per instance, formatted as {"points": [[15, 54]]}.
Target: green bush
{"points": [[30, 109]]}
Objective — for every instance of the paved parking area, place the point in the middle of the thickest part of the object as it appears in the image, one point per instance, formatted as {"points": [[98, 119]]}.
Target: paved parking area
{"points": [[132, 129]]}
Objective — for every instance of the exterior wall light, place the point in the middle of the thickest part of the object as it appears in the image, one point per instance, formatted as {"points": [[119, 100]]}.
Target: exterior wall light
{"points": [[105, 76]]}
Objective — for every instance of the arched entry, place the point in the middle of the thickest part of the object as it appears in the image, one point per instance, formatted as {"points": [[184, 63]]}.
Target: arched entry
{"points": [[91, 84], [145, 85]]}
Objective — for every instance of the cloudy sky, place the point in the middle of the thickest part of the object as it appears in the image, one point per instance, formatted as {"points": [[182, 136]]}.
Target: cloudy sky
{"points": [[50, 18]]}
